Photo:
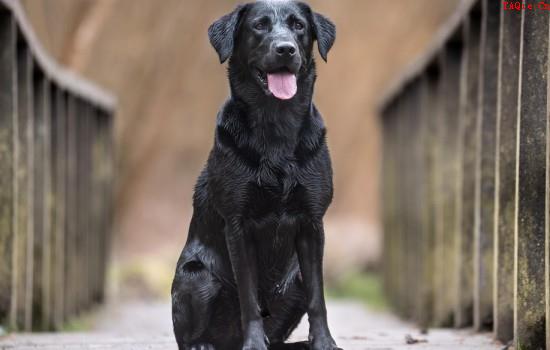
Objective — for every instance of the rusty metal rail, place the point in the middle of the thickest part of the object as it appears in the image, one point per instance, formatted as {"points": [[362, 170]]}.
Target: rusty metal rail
{"points": [[56, 175], [466, 183]]}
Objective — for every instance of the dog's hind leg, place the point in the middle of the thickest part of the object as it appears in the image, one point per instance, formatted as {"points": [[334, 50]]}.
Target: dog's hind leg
{"points": [[194, 291]]}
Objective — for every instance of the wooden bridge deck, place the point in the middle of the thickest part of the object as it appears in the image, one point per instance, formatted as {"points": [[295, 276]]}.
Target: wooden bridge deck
{"points": [[147, 327]]}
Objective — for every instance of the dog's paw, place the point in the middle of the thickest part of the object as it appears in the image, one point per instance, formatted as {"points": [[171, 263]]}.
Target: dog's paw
{"points": [[323, 343], [254, 346], [201, 347], [256, 343]]}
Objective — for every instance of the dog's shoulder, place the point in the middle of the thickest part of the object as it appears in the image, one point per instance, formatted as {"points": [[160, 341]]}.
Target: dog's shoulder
{"points": [[312, 137]]}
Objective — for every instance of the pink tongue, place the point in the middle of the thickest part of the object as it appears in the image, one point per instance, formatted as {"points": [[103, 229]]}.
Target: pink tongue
{"points": [[282, 85]]}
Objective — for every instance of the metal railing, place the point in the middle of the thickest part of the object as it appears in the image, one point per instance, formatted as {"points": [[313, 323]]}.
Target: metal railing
{"points": [[56, 171], [465, 184]]}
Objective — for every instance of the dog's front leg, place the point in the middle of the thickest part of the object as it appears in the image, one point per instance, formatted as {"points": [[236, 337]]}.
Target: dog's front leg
{"points": [[244, 268], [310, 245]]}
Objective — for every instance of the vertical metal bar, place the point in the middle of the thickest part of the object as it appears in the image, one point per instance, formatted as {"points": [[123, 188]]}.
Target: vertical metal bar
{"points": [[464, 308], [24, 229], [530, 320], [484, 231], [506, 176], [8, 128]]}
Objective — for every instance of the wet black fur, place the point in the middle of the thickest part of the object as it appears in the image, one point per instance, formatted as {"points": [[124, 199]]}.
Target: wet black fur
{"points": [[252, 264]]}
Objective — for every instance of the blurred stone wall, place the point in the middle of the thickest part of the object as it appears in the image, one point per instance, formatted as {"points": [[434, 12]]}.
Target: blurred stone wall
{"points": [[155, 55]]}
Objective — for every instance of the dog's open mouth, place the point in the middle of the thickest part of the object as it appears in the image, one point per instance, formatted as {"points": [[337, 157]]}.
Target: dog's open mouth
{"points": [[281, 83]]}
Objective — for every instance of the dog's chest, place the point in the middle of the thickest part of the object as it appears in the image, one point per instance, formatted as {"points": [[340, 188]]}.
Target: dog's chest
{"points": [[274, 189]]}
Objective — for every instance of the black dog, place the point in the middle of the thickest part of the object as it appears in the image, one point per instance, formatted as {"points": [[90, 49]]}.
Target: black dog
{"points": [[252, 264]]}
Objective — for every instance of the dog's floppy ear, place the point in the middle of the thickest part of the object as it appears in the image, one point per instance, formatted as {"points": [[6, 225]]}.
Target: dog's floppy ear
{"points": [[222, 33], [325, 33]]}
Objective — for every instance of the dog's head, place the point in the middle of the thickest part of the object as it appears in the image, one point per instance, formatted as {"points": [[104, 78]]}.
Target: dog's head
{"points": [[274, 40]]}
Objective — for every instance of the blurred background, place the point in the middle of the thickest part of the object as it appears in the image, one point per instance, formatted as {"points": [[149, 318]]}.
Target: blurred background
{"points": [[155, 56]]}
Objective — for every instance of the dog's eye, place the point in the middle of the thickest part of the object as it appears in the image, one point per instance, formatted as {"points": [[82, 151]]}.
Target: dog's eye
{"points": [[298, 25], [260, 26]]}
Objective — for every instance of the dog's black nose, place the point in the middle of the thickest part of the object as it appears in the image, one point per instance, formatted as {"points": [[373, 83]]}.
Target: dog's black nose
{"points": [[286, 49]]}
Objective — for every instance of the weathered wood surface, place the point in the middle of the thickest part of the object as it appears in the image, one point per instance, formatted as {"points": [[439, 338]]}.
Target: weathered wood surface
{"points": [[148, 327], [55, 221], [506, 176], [8, 133], [486, 162], [470, 142], [530, 325], [501, 241]]}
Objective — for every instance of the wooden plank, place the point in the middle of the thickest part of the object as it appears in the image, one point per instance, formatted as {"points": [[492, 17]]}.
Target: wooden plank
{"points": [[109, 193], [429, 86], [86, 199], [408, 198], [71, 261], [38, 197], [401, 233], [8, 118], [530, 318], [42, 198], [451, 64], [466, 210], [390, 139], [486, 162], [59, 137], [82, 212], [414, 203], [95, 203], [24, 194], [506, 176]]}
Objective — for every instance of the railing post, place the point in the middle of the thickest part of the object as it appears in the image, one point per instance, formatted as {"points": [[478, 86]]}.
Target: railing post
{"points": [[430, 83], [469, 131], [390, 202], [8, 128], [71, 260], [485, 167], [451, 64], [506, 176], [25, 175], [59, 160], [530, 321], [42, 199]]}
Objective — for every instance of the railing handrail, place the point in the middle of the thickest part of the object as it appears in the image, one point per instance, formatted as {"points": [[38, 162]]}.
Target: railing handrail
{"points": [[423, 60], [63, 77]]}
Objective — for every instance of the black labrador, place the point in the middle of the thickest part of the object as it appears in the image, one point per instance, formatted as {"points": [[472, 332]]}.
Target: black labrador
{"points": [[252, 264]]}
